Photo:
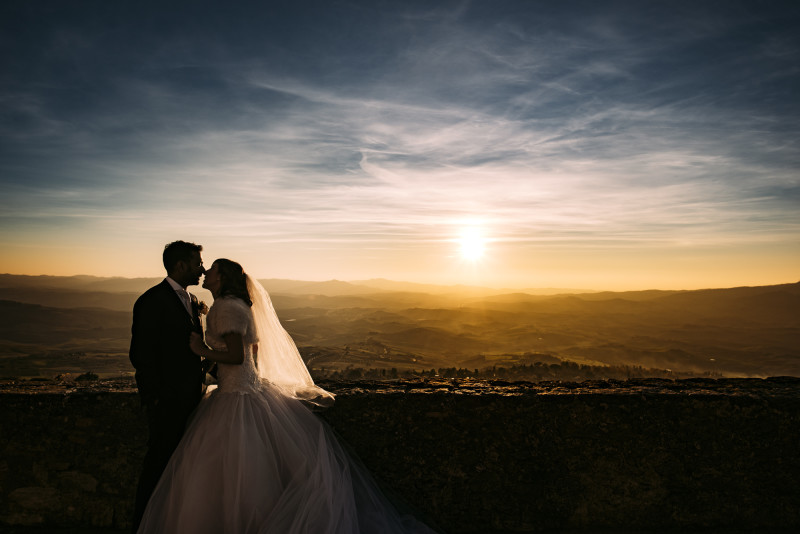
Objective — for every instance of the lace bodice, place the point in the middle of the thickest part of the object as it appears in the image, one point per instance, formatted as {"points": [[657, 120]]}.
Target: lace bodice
{"points": [[231, 315]]}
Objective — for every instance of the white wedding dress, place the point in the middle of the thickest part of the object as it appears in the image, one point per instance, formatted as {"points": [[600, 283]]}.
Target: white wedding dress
{"points": [[255, 459]]}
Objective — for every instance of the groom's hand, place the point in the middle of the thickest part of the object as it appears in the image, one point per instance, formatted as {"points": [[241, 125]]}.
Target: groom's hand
{"points": [[197, 344]]}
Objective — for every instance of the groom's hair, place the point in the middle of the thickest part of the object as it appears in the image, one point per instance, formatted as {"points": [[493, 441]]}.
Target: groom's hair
{"points": [[178, 251]]}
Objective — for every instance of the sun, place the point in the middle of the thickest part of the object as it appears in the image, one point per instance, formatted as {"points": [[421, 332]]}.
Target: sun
{"points": [[473, 245]]}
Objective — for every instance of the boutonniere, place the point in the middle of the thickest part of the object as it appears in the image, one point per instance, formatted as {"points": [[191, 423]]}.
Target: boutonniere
{"points": [[200, 307]]}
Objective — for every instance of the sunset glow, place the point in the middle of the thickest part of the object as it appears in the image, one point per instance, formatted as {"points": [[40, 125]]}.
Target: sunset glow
{"points": [[473, 245], [622, 145]]}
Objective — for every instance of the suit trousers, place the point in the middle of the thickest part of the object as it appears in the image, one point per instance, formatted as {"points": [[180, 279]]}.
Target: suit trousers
{"points": [[166, 422]]}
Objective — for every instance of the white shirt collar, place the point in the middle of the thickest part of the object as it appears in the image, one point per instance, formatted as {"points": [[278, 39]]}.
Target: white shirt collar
{"points": [[175, 285], [186, 299]]}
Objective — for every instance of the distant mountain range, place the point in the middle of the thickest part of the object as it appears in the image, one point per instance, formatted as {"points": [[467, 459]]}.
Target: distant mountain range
{"points": [[746, 331], [329, 288]]}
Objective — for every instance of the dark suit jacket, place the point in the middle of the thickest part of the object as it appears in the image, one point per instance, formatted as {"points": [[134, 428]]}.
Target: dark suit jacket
{"points": [[167, 371]]}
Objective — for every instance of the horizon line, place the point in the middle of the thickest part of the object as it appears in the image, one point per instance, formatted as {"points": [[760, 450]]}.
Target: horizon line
{"points": [[465, 286]]}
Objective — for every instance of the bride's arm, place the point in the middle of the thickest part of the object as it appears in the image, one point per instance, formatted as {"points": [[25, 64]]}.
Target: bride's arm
{"points": [[233, 342]]}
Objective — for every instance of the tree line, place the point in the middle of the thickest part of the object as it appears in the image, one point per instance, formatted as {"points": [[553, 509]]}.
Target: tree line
{"points": [[534, 372]]}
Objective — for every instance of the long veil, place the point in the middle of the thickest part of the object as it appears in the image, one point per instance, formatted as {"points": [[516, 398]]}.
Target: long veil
{"points": [[277, 359]]}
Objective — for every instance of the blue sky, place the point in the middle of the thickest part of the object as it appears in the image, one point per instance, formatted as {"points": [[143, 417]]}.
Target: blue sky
{"points": [[615, 145]]}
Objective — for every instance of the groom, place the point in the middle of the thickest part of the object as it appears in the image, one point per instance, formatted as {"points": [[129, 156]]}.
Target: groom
{"points": [[168, 374]]}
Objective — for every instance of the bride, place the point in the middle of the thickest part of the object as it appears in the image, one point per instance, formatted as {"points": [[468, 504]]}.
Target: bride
{"points": [[254, 458]]}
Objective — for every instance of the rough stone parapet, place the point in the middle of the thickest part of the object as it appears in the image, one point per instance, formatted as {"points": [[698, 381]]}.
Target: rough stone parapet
{"points": [[470, 456]]}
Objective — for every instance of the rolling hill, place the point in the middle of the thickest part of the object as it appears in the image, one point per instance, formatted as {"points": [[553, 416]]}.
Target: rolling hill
{"points": [[751, 331]]}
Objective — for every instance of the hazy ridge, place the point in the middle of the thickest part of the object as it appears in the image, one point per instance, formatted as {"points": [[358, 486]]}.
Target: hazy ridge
{"points": [[69, 324]]}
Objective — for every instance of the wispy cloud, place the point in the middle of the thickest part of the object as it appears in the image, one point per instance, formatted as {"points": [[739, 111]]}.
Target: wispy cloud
{"points": [[618, 124]]}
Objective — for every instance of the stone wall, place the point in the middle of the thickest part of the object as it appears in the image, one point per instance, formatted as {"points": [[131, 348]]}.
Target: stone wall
{"points": [[470, 457]]}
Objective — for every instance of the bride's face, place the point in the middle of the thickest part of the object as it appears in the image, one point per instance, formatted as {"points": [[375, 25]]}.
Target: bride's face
{"points": [[212, 279]]}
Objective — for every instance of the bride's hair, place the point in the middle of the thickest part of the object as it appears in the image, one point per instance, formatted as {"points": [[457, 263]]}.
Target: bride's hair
{"points": [[233, 280]]}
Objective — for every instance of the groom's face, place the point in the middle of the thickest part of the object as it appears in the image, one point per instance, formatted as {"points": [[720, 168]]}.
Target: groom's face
{"points": [[193, 270]]}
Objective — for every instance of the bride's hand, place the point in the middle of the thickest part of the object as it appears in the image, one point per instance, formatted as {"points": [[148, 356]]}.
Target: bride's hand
{"points": [[197, 344]]}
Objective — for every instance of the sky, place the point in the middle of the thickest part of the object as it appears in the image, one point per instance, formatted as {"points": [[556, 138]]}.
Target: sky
{"points": [[581, 144]]}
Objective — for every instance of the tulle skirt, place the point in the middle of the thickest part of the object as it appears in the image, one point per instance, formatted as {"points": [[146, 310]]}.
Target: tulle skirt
{"points": [[263, 463]]}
